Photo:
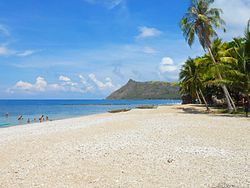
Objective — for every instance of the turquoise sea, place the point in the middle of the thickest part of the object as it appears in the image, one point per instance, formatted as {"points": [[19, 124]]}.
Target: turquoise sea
{"points": [[61, 109]]}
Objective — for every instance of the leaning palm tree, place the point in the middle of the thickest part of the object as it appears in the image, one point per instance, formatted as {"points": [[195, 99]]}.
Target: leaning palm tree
{"points": [[191, 80], [201, 20], [223, 54]]}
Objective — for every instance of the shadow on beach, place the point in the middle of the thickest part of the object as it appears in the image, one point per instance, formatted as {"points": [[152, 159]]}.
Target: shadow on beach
{"points": [[201, 109], [192, 109]]}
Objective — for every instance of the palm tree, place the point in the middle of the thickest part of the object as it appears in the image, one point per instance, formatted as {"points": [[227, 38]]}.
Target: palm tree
{"points": [[222, 54], [191, 80], [242, 49], [188, 79], [201, 20]]}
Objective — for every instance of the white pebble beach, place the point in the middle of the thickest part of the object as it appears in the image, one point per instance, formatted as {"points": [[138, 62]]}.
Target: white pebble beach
{"points": [[163, 147]]}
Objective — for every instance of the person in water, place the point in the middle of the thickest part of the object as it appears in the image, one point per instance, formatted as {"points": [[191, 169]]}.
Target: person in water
{"points": [[246, 106], [28, 120], [41, 119], [47, 118], [20, 118]]}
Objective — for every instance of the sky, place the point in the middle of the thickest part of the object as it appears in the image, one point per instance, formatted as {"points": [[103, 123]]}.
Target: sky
{"points": [[85, 49]]}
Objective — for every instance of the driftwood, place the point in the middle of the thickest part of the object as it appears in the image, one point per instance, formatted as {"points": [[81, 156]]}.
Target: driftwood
{"points": [[119, 110]]}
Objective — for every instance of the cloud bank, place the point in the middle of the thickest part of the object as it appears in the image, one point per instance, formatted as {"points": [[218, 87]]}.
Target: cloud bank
{"points": [[65, 84]]}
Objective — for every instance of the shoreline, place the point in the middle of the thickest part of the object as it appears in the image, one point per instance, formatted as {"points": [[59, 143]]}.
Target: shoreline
{"points": [[171, 146], [134, 106]]}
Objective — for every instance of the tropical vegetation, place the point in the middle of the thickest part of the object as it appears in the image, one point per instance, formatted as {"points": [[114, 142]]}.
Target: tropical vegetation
{"points": [[223, 72]]}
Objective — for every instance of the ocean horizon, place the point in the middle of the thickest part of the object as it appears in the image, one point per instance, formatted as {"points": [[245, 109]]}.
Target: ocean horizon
{"points": [[55, 109]]}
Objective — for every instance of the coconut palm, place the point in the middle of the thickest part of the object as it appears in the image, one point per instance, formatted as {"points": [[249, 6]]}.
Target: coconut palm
{"points": [[201, 20], [226, 64], [191, 80], [242, 49], [188, 79]]}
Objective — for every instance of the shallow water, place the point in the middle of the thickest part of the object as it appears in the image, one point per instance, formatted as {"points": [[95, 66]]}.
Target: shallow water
{"points": [[60, 109]]}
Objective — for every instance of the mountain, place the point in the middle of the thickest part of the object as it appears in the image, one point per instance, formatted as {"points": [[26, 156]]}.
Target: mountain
{"points": [[146, 90]]}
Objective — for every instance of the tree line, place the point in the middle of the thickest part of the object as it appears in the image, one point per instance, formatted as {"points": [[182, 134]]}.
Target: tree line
{"points": [[223, 71]]}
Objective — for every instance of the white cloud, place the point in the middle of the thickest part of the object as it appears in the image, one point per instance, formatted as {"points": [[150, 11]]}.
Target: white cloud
{"points": [[88, 86], [146, 32], [167, 65], [67, 81], [113, 3], [64, 78], [56, 87], [236, 13], [83, 86], [4, 30], [83, 80], [23, 85], [68, 85], [102, 85], [4, 51], [110, 4], [40, 84], [25, 53], [167, 61]]}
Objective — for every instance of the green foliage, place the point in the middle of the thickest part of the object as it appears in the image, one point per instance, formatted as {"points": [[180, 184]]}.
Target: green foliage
{"points": [[233, 63], [201, 20]]}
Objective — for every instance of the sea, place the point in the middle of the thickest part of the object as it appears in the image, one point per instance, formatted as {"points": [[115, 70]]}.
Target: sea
{"points": [[10, 110]]}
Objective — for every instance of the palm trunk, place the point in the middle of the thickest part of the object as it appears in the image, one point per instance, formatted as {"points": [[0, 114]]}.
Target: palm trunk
{"points": [[198, 96], [204, 99], [230, 103], [247, 84]]}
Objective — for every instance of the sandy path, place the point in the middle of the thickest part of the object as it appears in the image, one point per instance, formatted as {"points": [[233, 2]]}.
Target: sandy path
{"points": [[164, 147]]}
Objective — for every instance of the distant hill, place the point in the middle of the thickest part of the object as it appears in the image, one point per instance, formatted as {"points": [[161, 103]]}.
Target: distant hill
{"points": [[146, 90]]}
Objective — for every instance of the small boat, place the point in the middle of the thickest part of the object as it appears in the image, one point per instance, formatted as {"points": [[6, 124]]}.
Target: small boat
{"points": [[120, 110], [147, 107]]}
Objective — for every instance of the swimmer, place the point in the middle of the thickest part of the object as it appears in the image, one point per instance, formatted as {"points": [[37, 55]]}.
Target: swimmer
{"points": [[20, 118], [41, 119]]}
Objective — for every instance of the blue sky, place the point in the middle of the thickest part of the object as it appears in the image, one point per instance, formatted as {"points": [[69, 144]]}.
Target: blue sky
{"points": [[89, 48]]}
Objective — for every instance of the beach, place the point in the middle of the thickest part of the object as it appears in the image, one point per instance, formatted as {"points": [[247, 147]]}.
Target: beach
{"points": [[171, 146]]}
